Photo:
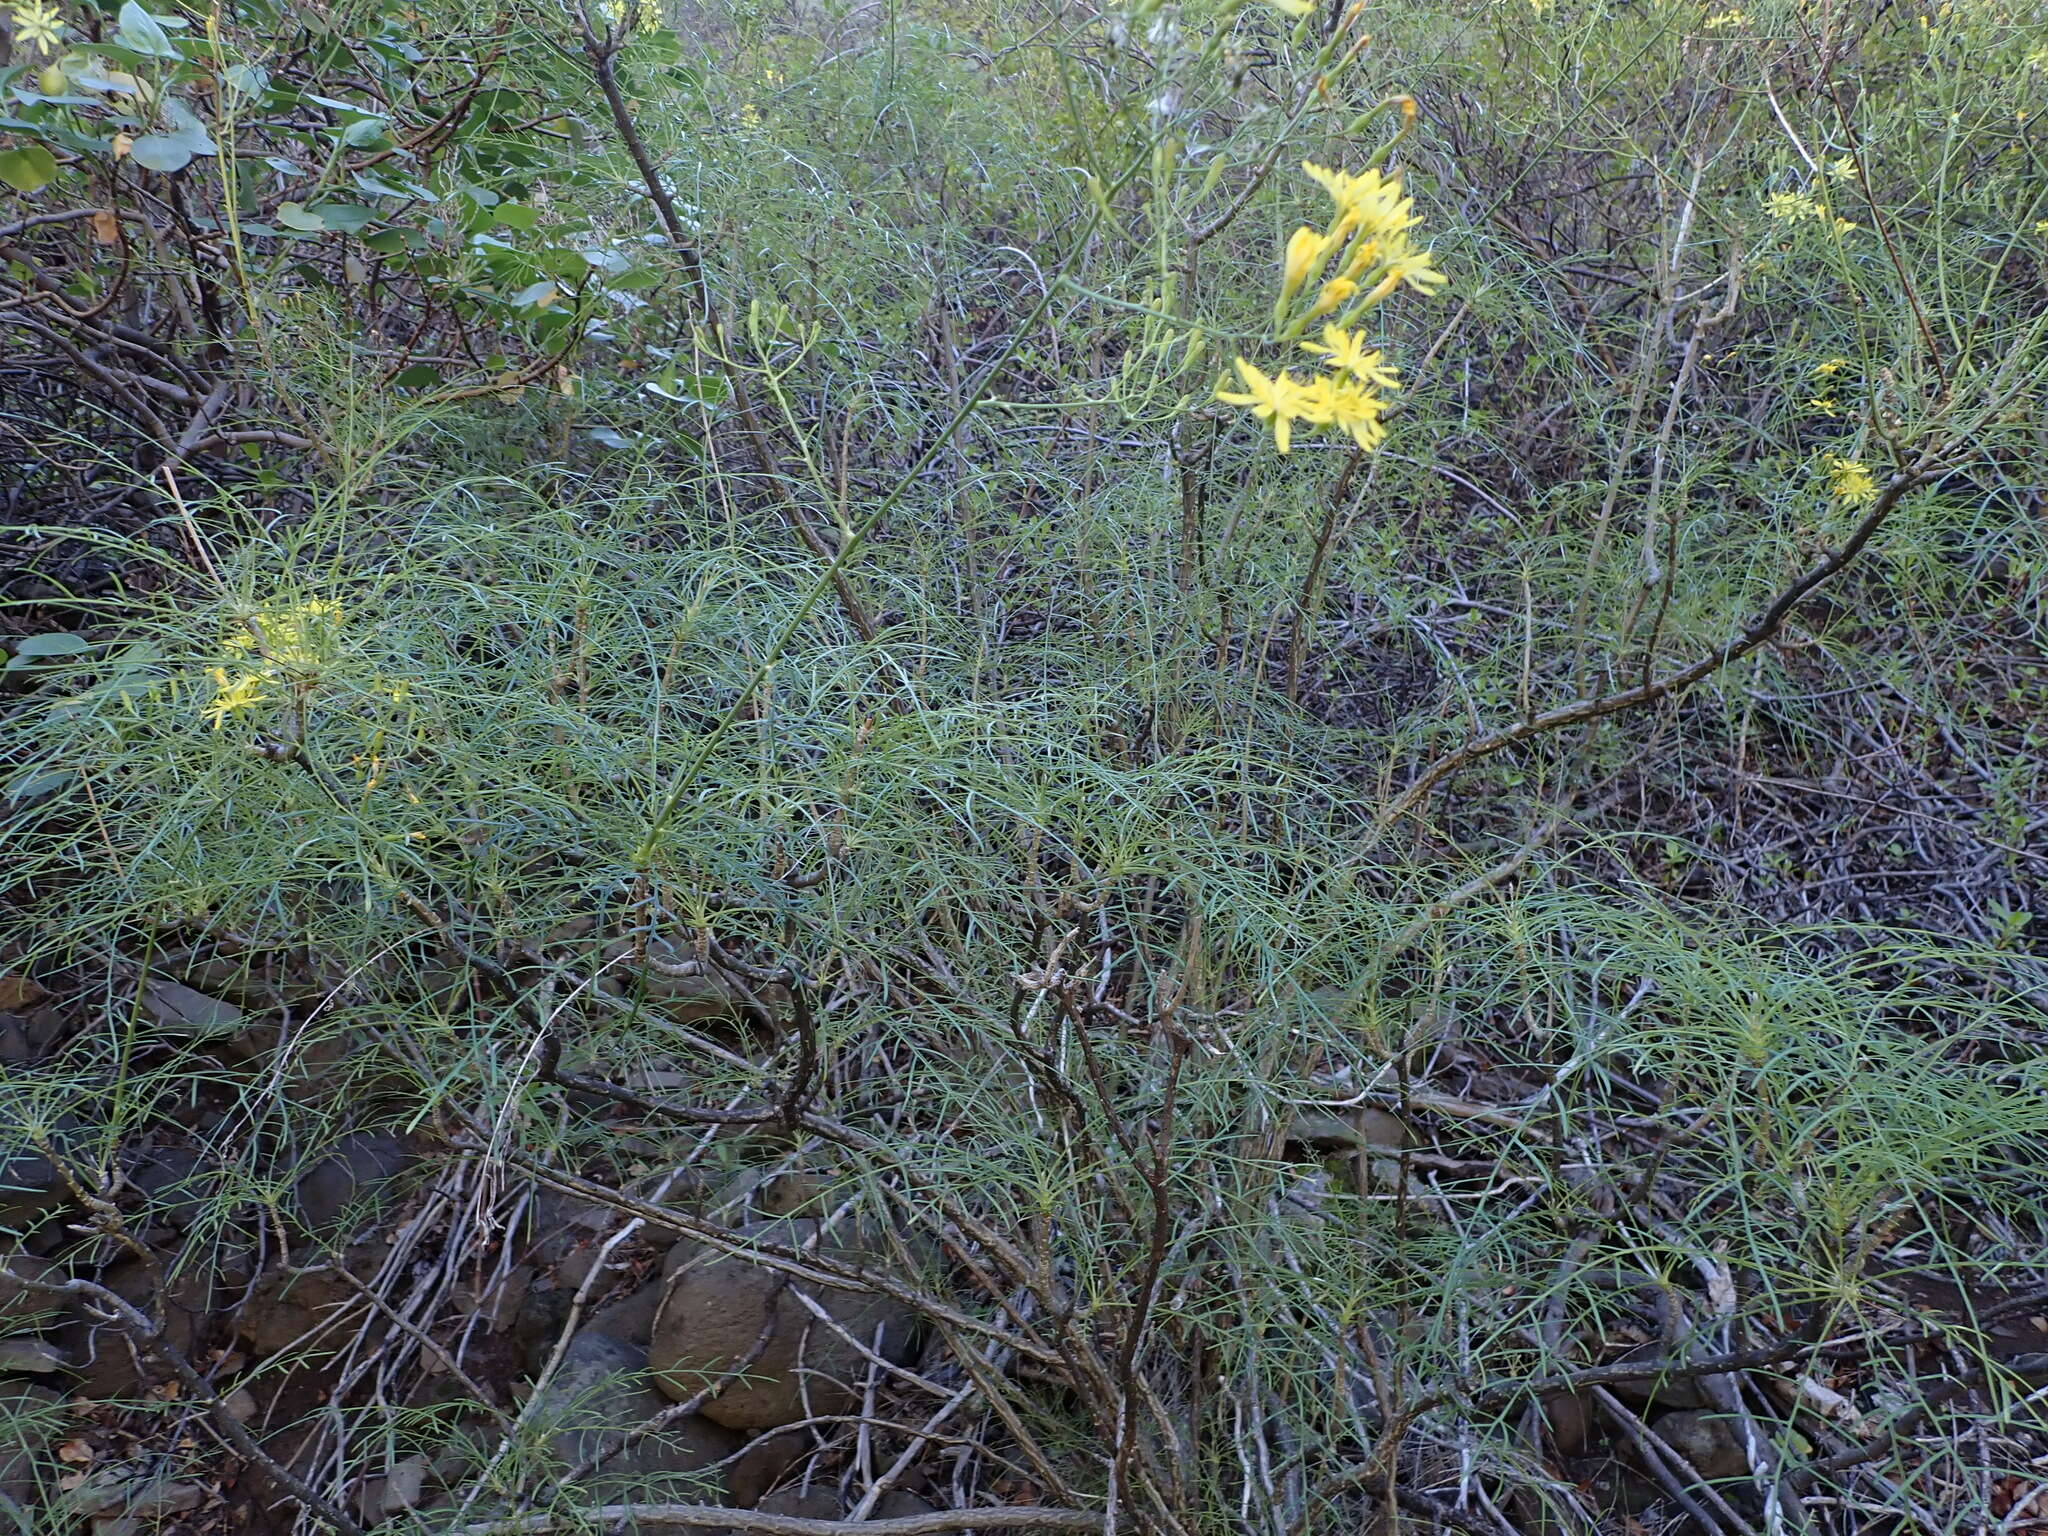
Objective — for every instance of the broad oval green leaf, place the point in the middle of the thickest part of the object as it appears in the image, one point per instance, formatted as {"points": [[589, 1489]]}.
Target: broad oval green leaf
{"points": [[28, 168], [143, 33], [160, 152]]}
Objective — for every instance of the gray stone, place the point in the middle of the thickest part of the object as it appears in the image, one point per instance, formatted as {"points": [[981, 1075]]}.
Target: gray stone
{"points": [[714, 1308], [601, 1391], [21, 1309], [29, 1416], [179, 1010], [36, 1356], [397, 1490], [347, 1179], [1713, 1445], [816, 1502], [630, 1319]]}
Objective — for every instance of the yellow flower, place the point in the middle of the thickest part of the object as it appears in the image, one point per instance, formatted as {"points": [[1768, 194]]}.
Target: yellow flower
{"points": [[1787, 206], [1830, 368], [232, 694], [1728, 19], [1275, 401], [300, 636], [1825, 406], [1348, 406], [1305, 252], [1346, 352], [1335, 292], [1367, 203], [1417, 269], [1843, 168], [1295, 8], [37, 25], [1850, 482], [2041, 226]]}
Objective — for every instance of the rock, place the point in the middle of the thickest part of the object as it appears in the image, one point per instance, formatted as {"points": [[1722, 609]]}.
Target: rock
{"points": [[762, 1465], [298, 1309], [347, 1179], [179, 1010], [29, 1416], [35, 1356], [399, 1489], [21, 1309], [630, 1319], [1713, 1445], [816, 1502], [714, 1308], [598, 1394], [900, 1504], [241, 1405]]}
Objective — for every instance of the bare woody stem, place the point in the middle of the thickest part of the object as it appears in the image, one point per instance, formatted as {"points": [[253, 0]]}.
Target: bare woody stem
{"points": [[1760, 632]]}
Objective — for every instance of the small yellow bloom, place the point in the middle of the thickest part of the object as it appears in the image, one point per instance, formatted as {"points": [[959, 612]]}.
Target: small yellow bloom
{"points": [[1727, 19], [233, 694], [1306, 249], [1335, 292], [1345, 351], [1348, 406], [1294, 8], [1850, 482], [1275, 401], [1367, 202], [1830, 368], [1418, 270], [1788, 206], [1825, 406], [1843, 168], [37, 25]]}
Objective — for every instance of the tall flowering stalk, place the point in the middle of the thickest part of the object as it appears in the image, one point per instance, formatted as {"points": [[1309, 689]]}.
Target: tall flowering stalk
{"points": [[1336, 275]]}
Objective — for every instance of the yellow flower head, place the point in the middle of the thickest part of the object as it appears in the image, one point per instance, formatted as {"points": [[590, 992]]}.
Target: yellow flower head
{"points": [[1345, 352], [1850, 482], [1306, 250], [1843, 168], [1415, 268], [233, 694], [1830, 368], [300, 636], [1787, 207], [1335, 292], [1294, 8], [37, 25], [1277, 401], [1367, 203], [1348, 406]]}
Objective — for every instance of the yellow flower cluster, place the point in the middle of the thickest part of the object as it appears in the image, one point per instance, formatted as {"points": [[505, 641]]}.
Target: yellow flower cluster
{"points": [[1793, 207], [1850, 482], [298, 639], [1359, 260], [1343, 398]]}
